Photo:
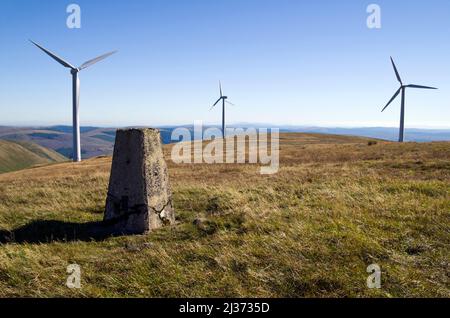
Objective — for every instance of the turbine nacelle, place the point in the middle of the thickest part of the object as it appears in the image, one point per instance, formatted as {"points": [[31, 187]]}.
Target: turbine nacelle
{"points": [[221, 98]]}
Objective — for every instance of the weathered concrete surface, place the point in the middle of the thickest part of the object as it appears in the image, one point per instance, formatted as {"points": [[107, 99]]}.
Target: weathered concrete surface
{"points": [[139, 196]]}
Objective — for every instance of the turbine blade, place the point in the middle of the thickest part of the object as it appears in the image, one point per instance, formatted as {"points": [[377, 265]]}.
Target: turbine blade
{"points": [[96, 60], [392, 99], [230, 103], [419, 86], [396, 71], [216, 103], [54, 56], [220, 86]]}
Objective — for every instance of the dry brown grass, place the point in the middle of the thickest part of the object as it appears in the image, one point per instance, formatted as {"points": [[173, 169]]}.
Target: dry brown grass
{"points": [[336, 206]]}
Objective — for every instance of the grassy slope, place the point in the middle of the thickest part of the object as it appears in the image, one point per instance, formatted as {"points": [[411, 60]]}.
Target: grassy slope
{"points": [[20, 155], [59, 139], [336, 206]]}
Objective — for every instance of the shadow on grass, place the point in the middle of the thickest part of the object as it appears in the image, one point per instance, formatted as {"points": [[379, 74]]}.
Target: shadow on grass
{"points": [[58, 231]]}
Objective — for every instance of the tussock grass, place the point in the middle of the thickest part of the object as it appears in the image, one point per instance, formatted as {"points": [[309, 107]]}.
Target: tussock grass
{"points": [[336, 206]]}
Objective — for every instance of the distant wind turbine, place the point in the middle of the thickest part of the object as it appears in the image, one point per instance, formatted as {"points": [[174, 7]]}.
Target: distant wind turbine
{"points": [[402, 89], [224, 100], [75, 94]]}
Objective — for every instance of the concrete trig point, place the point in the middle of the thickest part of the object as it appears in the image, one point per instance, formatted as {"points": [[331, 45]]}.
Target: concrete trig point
{"points": [[139, 196]]}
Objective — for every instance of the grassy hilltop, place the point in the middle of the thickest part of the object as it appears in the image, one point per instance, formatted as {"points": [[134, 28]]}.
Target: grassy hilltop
{"points": [[336, 206], [21, 155]]}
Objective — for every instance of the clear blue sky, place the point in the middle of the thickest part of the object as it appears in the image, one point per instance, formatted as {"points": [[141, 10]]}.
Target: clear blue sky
{"points": [[280, 61]]}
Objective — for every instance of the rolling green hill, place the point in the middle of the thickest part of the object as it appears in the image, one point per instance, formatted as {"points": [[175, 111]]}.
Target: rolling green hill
{"points": [[20, 155]]}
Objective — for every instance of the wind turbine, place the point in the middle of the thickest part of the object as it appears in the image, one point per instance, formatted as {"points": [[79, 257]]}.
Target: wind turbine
{"points": [[75, 94], [224, 100], [402, 89]]}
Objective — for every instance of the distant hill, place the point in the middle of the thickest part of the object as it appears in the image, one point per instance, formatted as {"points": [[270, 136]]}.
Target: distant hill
{"points": [[20, 155], [94, 141], [385, 133], [97, 141], [391, 134]]}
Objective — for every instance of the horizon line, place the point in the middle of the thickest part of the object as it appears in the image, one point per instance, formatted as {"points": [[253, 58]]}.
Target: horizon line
{"points": [[231, 125]]}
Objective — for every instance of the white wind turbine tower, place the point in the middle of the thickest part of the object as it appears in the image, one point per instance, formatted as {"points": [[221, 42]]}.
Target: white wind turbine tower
{"points": [[402, 89], [75, 94], [224, 100]]}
